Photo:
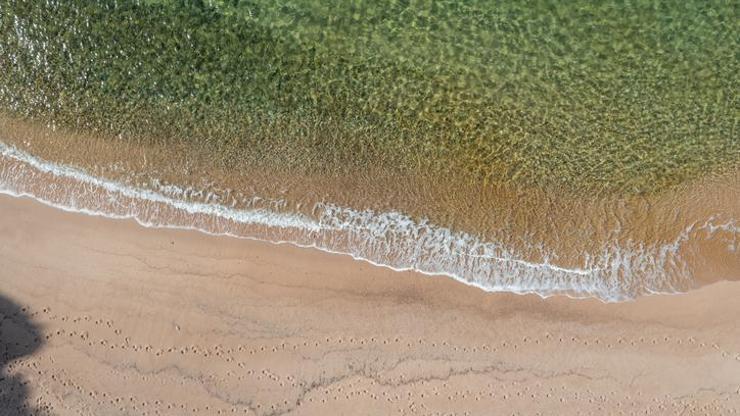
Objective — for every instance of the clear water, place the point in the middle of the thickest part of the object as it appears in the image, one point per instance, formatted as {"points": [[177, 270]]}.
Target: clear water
{"points": [[535, 147]]}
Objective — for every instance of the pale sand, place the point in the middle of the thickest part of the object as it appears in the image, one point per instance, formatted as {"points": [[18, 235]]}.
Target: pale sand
{"points": [[166, 322]]}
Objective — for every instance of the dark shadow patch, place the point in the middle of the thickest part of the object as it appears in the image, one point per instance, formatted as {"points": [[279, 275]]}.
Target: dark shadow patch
{"points": [[19, 337]]}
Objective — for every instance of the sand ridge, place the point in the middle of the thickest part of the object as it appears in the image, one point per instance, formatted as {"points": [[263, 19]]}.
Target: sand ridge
{"points": [[164, 322]]}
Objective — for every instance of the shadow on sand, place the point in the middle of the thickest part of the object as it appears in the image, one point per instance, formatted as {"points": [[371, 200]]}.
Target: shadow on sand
{"points": [[19, 337]]}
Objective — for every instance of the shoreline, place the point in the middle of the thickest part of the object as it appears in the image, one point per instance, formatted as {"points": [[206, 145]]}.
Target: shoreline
{"points": [[613, 269], [97, 214], [172, 318]]}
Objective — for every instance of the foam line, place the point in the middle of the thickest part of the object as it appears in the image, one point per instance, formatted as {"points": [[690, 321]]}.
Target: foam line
{"points": [[257, 216], [387, 239]]}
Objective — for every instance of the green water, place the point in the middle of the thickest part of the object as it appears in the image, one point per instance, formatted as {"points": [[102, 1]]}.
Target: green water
{"points": [[619, 96]]}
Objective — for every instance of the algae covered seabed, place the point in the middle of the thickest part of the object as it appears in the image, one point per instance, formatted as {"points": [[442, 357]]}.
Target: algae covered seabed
{"points": [[534, 146], [627, 97]]}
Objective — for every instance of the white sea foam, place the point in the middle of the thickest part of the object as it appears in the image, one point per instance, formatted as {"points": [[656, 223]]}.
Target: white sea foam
{"points": [[389, 239], [257, 216]]}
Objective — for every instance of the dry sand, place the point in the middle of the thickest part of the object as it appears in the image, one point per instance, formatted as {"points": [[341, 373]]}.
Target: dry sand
{"points": [[137, 321]]}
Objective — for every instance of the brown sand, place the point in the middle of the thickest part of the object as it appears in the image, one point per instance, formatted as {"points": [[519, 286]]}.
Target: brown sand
{"points": [[524, 220], [166, 322]]}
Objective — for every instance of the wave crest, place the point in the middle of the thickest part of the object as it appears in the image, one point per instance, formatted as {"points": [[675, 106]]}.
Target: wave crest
{"points": [[616, 272]]}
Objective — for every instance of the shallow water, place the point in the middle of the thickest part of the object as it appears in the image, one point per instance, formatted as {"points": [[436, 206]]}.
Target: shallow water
{"points": [[579, 149], [617, 264], [613, 97]]}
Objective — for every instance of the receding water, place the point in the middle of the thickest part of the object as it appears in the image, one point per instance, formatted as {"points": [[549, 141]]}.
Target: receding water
{"points": [[546, 147]]}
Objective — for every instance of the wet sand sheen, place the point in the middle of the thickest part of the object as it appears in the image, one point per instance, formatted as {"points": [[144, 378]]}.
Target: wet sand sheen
{"points": [[177, 322], [521, 240]]}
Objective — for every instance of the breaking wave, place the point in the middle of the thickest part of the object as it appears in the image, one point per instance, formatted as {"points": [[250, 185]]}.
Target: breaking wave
{"points": [[618, 271]]}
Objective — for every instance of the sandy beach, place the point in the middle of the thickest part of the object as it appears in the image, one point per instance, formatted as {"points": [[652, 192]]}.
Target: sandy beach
{"points": [[303, 208], [105, 317]]}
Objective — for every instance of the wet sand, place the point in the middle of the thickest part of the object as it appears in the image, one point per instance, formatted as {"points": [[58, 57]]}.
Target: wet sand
{"points": [[170, 322]]}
